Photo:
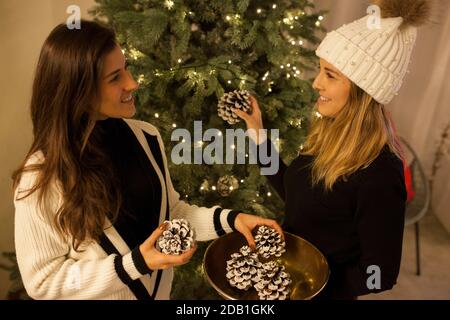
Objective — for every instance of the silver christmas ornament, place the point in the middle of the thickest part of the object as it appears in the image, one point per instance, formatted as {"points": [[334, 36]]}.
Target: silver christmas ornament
{"points": [[237, 99], [269, 242], [177, 238], [226, 185]]}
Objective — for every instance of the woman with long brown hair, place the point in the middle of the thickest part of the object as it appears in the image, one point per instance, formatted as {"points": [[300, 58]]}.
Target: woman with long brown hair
{"points": [[94, 186], [345, 192]]}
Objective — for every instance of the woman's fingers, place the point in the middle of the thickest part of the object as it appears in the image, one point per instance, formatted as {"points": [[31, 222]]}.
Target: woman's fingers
{"points": [[254, 104], [273, 224], [156, 234], [181, 259], [255, 110], [250, 240], [241, 114]]}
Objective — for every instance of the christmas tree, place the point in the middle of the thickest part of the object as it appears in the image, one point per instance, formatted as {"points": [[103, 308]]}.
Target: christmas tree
{"points": [[186, 54]]}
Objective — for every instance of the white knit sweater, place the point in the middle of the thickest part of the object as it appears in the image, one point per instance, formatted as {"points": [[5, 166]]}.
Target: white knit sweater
{"points": [[52, 269]]}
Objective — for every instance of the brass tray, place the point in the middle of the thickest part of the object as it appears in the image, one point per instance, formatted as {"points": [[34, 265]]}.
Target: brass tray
{"points": [[303, 261]]}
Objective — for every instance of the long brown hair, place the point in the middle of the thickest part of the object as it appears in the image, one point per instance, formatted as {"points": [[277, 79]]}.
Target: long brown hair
{"points": [[63, 106], [351, 140]]}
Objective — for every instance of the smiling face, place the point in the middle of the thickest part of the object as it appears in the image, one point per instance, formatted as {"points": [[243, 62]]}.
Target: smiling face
{"points": [[116, 88], [334, 89]]}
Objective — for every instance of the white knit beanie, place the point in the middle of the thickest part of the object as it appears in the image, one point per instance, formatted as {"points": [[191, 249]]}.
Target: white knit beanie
{"points": [[376, 56]]}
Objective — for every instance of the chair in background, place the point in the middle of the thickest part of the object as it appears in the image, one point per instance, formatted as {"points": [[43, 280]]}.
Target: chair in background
{"points": [[419, 205]]}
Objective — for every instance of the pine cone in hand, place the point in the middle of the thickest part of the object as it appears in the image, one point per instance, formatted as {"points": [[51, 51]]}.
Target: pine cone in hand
{"points": [[269, 242], [177, 238], [272, 282], [238, 99], [242, 268]]}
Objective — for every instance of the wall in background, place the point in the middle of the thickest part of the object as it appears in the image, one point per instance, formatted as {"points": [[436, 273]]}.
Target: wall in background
{"points": [[24, 25]]}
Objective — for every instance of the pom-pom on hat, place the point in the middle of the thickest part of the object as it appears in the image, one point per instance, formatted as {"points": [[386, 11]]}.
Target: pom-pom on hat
{"points": [[375, 56]]}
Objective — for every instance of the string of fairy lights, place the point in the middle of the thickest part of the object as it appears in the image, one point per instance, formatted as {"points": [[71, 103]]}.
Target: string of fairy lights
{"points": [[291, 21]]}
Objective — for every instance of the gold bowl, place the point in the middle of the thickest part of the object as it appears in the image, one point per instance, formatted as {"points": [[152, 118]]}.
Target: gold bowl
{"points": [[304, 262]]}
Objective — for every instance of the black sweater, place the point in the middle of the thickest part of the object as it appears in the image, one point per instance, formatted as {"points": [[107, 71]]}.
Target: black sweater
{"points": [[358, 224]]}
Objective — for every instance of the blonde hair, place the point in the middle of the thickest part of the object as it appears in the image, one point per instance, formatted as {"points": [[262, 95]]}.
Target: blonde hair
{"points": [[349, 141]]}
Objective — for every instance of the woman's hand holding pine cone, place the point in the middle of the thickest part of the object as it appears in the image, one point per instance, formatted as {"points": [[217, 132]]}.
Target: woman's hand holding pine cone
{"points": [[155, 259], [253, 120]]}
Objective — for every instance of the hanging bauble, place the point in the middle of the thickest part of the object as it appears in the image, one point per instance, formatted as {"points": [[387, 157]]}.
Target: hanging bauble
{"points": [[226, 185]]}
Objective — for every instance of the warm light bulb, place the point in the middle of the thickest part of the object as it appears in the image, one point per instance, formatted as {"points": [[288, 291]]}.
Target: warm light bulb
{"points": [[169, 4]]}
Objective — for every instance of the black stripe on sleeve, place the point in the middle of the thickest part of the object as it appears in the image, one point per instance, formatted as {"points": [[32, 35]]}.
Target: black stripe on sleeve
{"points": [[231, 218], [136, 286], [139, 262], [217, 224], [123, 275]]}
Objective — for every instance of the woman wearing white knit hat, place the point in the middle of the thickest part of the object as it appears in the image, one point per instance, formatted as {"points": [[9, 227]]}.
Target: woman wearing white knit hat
{"points": [[345, 192]]}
